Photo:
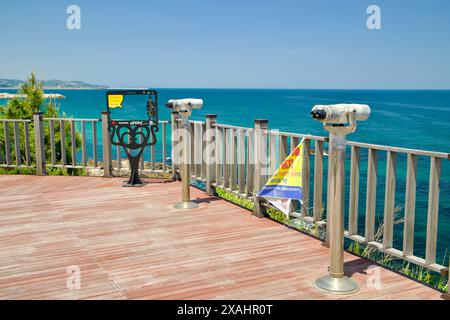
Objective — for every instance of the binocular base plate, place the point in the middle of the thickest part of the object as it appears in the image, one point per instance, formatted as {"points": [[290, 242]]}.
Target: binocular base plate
{"points": [[186, 205], [127, 185], [344, 285]]}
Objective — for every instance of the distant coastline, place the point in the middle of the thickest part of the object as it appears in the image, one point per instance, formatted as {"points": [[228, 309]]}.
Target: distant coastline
{"points": [[58, 88], [53, 85]]}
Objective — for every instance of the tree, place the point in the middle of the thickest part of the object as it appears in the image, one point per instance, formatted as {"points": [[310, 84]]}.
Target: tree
{"points": [[23, 108]]}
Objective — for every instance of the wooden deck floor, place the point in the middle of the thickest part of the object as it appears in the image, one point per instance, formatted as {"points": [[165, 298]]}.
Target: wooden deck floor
{"points": [[129, 243]]}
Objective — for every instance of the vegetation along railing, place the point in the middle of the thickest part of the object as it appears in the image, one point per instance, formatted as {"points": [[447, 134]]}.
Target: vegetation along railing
{"points": [[240, 160]]}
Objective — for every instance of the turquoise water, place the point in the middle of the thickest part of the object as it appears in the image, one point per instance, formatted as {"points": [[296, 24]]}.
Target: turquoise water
{"points": [[411, 119]]}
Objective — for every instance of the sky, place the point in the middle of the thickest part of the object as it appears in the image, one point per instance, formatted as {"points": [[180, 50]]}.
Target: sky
{"points": [[230, 44]]}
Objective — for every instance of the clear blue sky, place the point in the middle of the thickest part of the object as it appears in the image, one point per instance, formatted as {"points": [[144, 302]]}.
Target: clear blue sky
{"points": [[237, 44]]}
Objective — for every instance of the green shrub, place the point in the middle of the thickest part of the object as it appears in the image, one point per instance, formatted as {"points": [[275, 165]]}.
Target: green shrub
{"points": [[23, 108]]}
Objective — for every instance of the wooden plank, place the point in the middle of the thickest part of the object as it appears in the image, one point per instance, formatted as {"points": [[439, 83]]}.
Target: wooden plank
{"points": [[198, 149], [62, 131], [219, 156], [164, 146], [354, 190], [27, 143], [175, 144], [433, 210], [17, 144], [193, 168], [282, 148], [371, 195], [209, 154], [52, 142], [107, 146], [39, 144], [241, 159], [294, 142], [306, 177], [202, 159], [250, 161], [83, 143], [273, 153], [227, 156], [318, 181], [389, 199], [94, 143], [261, 163], [119, 157], [233, 160], [152, 158], [410, 205], [141, 161], [73, 142], [7, 143]]}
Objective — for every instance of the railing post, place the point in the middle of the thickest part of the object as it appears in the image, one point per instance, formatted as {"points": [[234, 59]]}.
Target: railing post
{"points": [[433, 211], [207, 156], [107, 159], [175, 140], [305, 177], [260, 160], [447, 295], [39, 144], [318, 180]]}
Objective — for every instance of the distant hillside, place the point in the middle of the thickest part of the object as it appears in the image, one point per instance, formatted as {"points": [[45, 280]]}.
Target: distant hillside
{"points": [[14, 83]]}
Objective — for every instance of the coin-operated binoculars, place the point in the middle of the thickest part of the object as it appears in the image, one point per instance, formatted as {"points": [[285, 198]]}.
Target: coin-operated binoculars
{"points": [[339, 120], [184, 108], [132, 135]]}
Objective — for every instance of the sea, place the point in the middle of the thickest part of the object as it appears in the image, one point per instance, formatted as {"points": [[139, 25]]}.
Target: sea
{"points": [[418, 119]]}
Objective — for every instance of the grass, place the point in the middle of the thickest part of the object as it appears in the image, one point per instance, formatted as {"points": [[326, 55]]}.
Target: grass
{"points": [[50, 171]]}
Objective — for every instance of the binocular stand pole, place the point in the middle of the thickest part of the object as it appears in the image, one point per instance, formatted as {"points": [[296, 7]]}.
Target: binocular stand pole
{"points": [[186, 202], [336, 282]]}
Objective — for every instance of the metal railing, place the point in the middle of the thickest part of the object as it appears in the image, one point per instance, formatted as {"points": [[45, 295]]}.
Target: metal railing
{"points": [[82, 146], [232, 169]]}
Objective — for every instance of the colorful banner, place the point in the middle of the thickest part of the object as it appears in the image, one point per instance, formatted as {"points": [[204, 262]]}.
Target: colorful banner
{"points": [[286, 184]]}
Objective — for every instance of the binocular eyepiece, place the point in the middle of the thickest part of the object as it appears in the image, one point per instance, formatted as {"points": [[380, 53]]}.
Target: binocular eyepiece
{"points": [[339, 113], [319, 114]]}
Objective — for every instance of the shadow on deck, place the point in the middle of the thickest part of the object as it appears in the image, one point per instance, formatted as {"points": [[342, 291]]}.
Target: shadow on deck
{"points": [[129, 243]]}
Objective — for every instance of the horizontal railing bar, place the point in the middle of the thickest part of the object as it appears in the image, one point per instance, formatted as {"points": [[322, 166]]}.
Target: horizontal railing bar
{"points": [[299, 135], [401, 150], [22, 166], [228, 126], [195, 121], [79, 119], [74, 119], [398, 254], [16, 120]]}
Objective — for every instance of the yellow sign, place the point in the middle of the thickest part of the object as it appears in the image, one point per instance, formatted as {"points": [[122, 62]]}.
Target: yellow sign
{"points": [[115, 101]]}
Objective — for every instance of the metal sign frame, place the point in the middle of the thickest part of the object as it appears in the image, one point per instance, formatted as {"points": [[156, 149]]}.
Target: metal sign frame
{"points": [[134, 135]]}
